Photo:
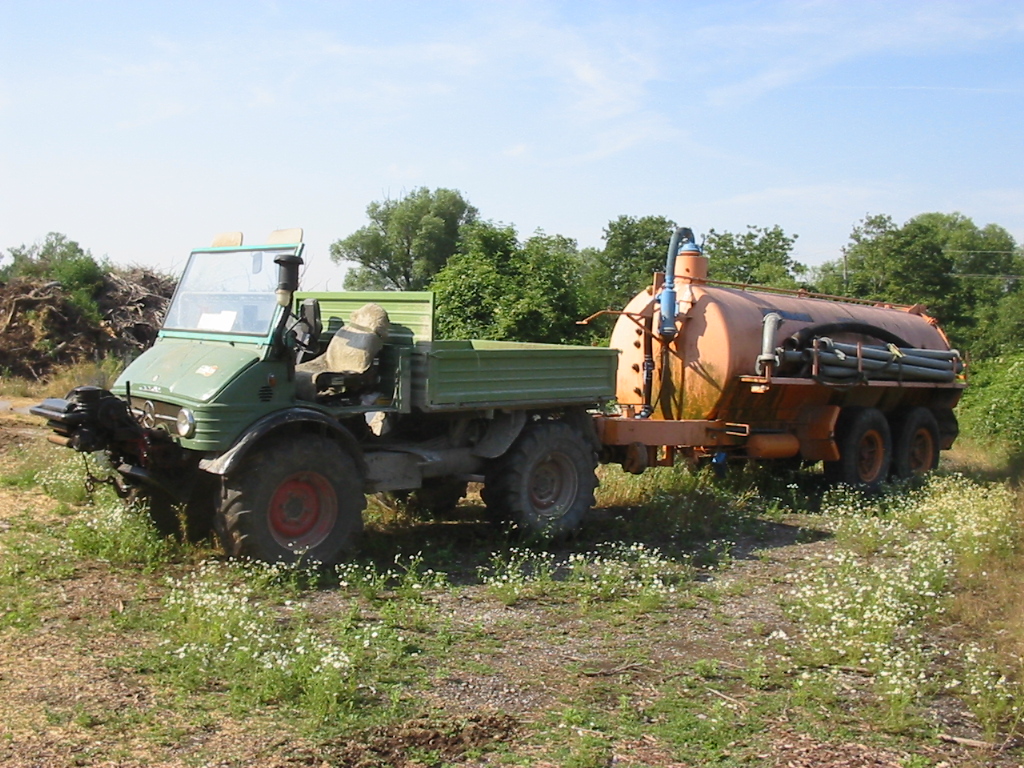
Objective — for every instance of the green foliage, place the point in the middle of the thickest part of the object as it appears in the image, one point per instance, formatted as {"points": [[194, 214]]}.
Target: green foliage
{"points": [[32, 558], [407, 241], [993, 406], [120, 536], [635, 248], [759, 256], [475, 282], [227, 629], [999, 326], [499, 288], [944, 261], [675, 501], [62, 260]]}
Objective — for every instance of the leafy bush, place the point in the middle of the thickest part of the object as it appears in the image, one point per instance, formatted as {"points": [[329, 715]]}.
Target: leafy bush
{"points": [[993, 406], [64, 261]]}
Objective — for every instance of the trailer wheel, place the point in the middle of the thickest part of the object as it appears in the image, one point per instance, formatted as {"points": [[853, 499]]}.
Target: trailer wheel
{"points": [[915, 443], [295, 499], [545, 482], [865, 449]]}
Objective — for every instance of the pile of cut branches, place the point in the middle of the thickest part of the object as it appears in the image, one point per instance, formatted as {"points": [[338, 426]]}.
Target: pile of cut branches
{"points": [[43, 328]]}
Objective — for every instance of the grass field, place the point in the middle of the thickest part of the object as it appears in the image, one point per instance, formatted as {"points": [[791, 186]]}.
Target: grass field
{"points": [[760, 620]]}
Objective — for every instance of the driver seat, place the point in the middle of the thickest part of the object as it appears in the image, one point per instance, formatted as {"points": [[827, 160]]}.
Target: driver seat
{"points": [[348, 365]]}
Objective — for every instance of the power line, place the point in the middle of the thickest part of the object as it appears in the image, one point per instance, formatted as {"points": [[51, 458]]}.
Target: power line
{"points": [[1000, 277]]}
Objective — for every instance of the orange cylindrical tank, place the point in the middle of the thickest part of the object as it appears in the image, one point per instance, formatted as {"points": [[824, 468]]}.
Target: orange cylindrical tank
{"points": [[719, 338]]}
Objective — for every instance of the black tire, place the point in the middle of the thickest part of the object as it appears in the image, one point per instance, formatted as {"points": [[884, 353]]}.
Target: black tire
{"points": [[544, 484], [161, 509], [201, 509], [915, 443], [300, 498], [865, 449]]}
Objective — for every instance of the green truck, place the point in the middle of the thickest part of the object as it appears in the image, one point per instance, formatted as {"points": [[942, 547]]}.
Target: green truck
{"points": [[269, 414]]}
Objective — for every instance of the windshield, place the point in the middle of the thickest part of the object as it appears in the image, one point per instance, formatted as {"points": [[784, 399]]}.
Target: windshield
{"points": [[227, 292]]}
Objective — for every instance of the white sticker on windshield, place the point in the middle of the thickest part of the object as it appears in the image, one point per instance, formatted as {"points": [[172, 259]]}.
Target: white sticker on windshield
{"points": [[221, 321]]}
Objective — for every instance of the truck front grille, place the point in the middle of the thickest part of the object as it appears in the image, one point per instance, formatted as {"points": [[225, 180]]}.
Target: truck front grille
{"points": [[153, 413]]}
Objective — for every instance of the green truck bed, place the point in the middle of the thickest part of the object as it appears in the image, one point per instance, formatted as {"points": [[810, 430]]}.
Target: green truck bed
{"points": [[450, 375], [470, 375]]}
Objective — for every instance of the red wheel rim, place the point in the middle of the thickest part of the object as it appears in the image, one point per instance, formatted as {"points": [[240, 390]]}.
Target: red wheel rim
{"points": [[870, 456], [922, 452], [302, 511], [553, 485]]}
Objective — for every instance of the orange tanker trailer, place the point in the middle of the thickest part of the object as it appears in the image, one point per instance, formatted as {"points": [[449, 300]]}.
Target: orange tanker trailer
{"points": [[721, 370]]}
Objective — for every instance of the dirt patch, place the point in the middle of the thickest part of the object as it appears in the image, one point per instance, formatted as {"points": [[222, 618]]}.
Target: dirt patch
{"points": [[797, 750], [421, 742]]}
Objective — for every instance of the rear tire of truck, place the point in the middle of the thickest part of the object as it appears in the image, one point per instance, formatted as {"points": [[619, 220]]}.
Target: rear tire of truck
{"points": [[915, 443], [865, 449], [544, 484], [296, 499]]}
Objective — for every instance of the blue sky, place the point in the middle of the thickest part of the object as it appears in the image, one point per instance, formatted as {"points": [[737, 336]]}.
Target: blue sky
{"points": [[141, 129]]}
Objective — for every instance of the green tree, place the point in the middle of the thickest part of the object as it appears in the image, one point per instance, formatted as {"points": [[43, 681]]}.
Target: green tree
{"points": [[407, 241], [862, 271], [634, 249], [543, 301], [499, 288], [944, 261], [759, 256], [470, 288]]}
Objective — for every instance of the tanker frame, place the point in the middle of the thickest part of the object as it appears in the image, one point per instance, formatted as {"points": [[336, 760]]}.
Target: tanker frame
{"points": [[725, 370]]}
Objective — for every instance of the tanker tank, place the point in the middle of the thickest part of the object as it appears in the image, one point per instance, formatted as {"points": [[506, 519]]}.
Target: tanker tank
{"points": [[750, 372]]}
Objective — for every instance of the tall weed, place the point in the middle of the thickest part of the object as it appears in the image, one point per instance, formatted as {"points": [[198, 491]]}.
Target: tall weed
{"points": [[223, 630], [892, 576], [674, 500]]}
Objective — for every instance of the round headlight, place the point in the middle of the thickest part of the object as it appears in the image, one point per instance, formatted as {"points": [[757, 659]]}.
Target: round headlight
{"points": [[186, 423]]}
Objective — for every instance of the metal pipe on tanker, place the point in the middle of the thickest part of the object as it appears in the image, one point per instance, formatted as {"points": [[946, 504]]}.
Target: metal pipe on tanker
{"points": [[926, 358], [770, 327], [682, 237], [905, 373], [648, 368], [849, 366], [667, 297]]}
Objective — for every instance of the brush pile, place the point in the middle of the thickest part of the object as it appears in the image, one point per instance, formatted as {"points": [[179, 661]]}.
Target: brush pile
{"points": [[44, 327]]}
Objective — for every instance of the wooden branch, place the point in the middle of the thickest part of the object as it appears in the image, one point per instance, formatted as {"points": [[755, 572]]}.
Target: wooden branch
{"points": [[966, 742]]}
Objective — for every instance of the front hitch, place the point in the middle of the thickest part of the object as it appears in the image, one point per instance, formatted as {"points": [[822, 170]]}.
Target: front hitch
{"points": [[90, 419]]}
